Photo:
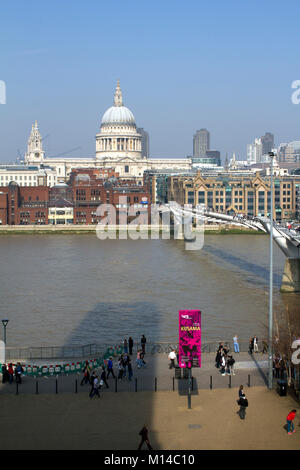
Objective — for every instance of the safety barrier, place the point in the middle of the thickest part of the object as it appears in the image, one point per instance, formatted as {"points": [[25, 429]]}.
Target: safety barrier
{"points": [[70, 367]]}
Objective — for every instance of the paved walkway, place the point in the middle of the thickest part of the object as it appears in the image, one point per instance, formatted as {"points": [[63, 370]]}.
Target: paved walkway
{"points": [[155, 374], [69, 421]]}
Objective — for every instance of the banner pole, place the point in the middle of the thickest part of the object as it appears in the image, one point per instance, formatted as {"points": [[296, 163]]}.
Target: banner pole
{"points": [[190, 389]]}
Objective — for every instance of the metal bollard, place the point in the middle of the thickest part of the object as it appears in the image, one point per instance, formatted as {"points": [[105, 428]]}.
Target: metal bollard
{"points": [[136, 384], [116, 384], [155, 384], [36, 387], [210, 386], [249, 380], [56, 388], [173, 384], [17, 391], [229, 383], [192, 384], [76, 386]]}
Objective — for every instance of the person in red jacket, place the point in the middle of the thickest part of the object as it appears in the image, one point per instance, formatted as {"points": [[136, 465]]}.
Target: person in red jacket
{"points": [[290, 421]]}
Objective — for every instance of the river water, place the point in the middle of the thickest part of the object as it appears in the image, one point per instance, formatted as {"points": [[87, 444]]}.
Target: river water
{"points": [[76, 289]]}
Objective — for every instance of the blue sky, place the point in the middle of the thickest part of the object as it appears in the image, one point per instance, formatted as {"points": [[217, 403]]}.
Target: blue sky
{"points": [[227, 66]]}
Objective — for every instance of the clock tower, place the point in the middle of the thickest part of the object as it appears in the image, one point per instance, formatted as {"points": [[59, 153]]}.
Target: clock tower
{"points": [[35, 152]]}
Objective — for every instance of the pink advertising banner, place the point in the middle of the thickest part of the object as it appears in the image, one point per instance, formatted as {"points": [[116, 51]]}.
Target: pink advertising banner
{"points": [[189, 338]]}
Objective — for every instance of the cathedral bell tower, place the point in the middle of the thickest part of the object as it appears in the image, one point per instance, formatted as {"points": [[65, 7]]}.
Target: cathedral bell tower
{"points": [[35, 152]]}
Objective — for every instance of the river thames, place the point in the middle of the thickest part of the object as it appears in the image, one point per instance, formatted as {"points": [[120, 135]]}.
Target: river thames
{"points": [[76, 289]]}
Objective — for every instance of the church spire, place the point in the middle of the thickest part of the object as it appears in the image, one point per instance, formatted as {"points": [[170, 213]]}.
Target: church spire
{"points": [[118, 96]]}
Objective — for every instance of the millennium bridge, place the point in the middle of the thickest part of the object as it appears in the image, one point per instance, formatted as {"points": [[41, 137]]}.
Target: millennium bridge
{"points": [[287, 240]]}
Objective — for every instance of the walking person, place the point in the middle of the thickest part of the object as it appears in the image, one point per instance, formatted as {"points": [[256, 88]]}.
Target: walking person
{"points": [[255, 344], [223, 364], [11, 373], [143, 344], [290, 421], [120, 368], [251, 346], [92, 378], [130, 372], [230, 364], [96, 388], [219, 355], [142, 359], [86, 374], [103, 376], [5, 375], [277, 366], [18, 373], [243, 402], [110, 368], [172, 357], [125, 346], [130, 344], [236, 344], [145, 438]]}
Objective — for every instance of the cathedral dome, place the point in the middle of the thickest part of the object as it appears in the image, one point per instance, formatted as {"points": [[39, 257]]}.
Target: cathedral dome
{"points": [[118, 114]]}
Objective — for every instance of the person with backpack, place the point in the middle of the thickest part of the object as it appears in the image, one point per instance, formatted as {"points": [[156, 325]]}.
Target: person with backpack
{"points": [[243, 402]]}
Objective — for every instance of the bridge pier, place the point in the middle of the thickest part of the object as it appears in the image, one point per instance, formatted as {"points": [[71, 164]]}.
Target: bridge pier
{"points": [[291, 276]]}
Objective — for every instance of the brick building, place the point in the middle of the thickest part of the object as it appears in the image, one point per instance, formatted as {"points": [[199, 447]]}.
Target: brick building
{"points": [[75, 202]]}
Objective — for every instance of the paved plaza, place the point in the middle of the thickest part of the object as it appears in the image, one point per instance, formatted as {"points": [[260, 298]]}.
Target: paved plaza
{"points": [[69, 421]]}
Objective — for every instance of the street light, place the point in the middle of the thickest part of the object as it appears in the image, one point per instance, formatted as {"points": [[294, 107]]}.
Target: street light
{"points": [[4, 323], [270, 347]]}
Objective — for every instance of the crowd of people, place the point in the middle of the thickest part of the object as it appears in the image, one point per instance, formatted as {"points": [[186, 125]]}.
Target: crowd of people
{"points": [[124, 367], [9, 372], [224, 361]]}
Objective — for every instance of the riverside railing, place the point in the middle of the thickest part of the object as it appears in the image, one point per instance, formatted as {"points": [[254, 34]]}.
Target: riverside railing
{"points": [[95, 350]]}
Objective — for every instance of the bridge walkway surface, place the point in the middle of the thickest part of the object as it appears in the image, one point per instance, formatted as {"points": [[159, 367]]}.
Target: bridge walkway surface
{"points": [[155, 376]]}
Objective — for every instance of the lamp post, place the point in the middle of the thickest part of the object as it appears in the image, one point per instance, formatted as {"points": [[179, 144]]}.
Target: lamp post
{"points": [[4, 323], [270, 342]]}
